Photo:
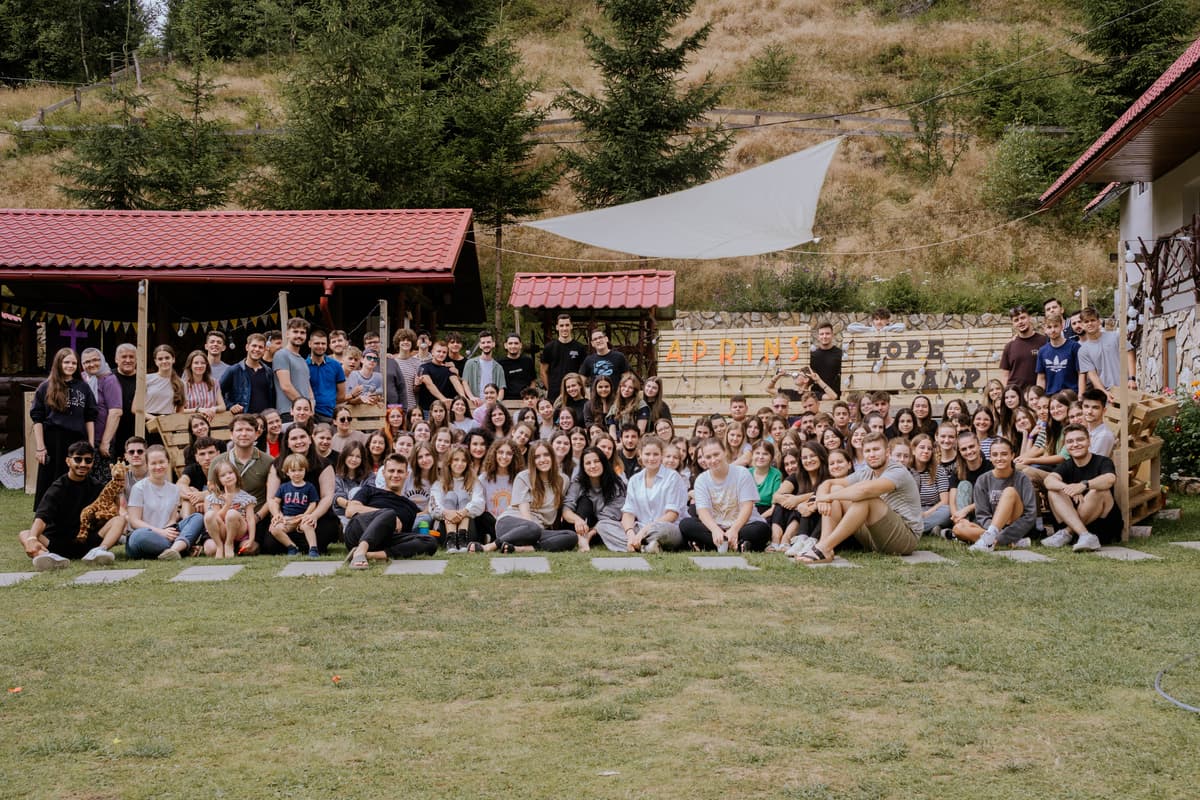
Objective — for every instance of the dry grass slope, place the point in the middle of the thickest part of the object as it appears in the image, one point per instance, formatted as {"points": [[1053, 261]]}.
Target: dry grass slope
{"points": [[848, 57]]}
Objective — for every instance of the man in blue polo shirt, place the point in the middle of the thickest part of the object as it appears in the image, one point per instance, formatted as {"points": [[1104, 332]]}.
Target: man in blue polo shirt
{"points": [[326, 376]]}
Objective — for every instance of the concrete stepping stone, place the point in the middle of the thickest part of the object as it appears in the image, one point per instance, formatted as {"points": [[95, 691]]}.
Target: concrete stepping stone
{"points": [[619, 564], [416, 568], [923, 557], [301, 569], [1125, 554], [206, 574], [721, 562], [13, 578], [108, 575], [1188, 545], [1024, 556], [507, 566], [837, 562]]}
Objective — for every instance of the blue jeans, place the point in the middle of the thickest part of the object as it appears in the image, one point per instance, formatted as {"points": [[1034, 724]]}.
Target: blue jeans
{"points": [[145, 543], [941, 517]]}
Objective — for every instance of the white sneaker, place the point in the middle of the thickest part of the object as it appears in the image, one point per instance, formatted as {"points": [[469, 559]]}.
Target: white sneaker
{"points": [[1060, 539], [652, 546], [1088, 542], [1022, 544], [986, 543], [44, 562], [98, 555], [799, 545]]}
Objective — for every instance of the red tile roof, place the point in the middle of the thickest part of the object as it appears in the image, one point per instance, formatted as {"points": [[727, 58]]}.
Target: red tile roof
{"points": [[637, 289], [1157, 99], [371, 246]]}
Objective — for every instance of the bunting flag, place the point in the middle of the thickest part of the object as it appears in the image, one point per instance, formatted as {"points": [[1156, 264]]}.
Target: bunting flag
{"points": [[37, 315]]}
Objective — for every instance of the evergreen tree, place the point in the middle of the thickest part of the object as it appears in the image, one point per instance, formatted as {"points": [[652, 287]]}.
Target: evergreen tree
{"points": [[69, 40], [1135, 43], [361, 130], [641, 143], [494, 127], [109, 162]]}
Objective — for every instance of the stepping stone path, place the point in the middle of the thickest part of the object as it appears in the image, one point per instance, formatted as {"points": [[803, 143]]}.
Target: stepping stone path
{"points": [[300, 569], [923, 557], [721, 562], [507, 566], [617, 564], [1024, 556], [838, 562], [108, 575], [205, 574], [1125, 554], [419, 568], [1188, 545], [11, 578]]}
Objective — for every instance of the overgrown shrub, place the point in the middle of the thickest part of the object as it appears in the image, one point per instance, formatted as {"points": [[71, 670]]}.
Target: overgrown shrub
{"points": [[1181, 435], [770, 72], [800, 287], [1023, 165], [900, 295]]}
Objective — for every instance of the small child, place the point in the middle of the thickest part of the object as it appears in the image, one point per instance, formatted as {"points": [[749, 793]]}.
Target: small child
{"points": [[291, 504], [229, 515]]}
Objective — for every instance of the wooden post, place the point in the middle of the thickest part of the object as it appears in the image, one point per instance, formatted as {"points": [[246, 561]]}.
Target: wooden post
{"points": [[1083, 297], [1123, 394], [383, 350], [143, 344], [283, 314]]}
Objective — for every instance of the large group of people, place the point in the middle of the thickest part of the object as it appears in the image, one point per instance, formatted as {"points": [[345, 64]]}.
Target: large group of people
{"points": [[480, 453]]}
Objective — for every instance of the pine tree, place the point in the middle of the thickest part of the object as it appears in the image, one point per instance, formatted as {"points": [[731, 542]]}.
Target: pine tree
{"points": [[109, 163], [494, 127], [641, 143], [1135, 43]]}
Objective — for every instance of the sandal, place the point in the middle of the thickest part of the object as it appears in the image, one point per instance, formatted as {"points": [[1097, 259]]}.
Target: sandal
{"points": [[814, 555], [506, 548], [475, 547], [359, 562]]}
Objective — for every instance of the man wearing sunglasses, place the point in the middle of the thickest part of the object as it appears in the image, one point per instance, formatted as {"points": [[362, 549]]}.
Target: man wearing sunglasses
{"points": [[51, 541]]}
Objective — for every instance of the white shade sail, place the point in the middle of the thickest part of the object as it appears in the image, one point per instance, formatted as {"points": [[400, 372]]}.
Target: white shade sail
{"points": [[761, 210]]}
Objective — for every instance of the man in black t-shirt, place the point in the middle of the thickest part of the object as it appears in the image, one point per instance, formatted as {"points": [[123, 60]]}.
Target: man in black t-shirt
{"points": [[518, 369], [126, 372], [605, 362], [436, 380], [561, 356], [1080, 492], [380, 521], [51, 541], [825, 362]]}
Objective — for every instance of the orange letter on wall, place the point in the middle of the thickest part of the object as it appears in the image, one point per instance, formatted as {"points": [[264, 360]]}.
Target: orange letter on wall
{"points": [[771, 349], [795, 349], [675, 353], [699, 349], [728, 349]]}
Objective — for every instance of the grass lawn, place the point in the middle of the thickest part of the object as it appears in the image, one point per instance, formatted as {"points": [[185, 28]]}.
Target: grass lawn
{"points": [[981, 679]]}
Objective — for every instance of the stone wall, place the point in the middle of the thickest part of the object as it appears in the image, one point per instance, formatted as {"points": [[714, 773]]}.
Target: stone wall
{"points": [[1187, 348], [704, 320]]}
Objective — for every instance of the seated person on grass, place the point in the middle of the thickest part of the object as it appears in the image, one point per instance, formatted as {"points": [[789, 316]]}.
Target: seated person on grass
{"points": [[52, 540], [878, 505], [380, 521], [1102, 439], [971, 465], [1080, 491], [1005, 505]]}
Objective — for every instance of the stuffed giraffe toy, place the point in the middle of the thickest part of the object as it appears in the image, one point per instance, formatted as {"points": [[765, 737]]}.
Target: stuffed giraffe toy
{"points": [[104, 507]]}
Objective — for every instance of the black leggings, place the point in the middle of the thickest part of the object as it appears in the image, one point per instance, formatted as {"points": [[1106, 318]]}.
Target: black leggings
{"points": [[378, 530], [57, 440], [753, 536], [809, 526], [521, 532]]}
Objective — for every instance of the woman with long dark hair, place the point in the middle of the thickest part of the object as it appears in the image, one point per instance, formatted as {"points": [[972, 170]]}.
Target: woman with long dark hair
{"points": [[796, 522], [64, 412], [654, 407], [594, 502], [537, 497], [321, 475], [201, 393], [165, 392]]}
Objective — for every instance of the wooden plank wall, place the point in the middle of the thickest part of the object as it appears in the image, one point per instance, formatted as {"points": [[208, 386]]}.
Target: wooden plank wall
{"points": [[702, 369]]}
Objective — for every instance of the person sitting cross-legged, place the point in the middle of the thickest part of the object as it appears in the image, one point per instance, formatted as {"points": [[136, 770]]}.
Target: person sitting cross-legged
{"points": [[1005, 505], [380, 521], [1080, 492], [52, 540], [878, 505]]}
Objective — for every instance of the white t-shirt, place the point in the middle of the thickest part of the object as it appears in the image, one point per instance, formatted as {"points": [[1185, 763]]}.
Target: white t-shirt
{"points": [[669, 493], [724, 499], [157, 503]]}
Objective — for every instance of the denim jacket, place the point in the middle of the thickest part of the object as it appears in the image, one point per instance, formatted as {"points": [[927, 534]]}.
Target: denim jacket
{"points": [[235, 386]]}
